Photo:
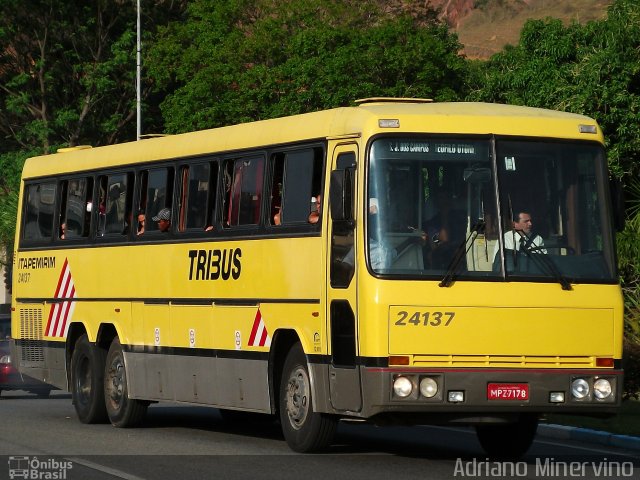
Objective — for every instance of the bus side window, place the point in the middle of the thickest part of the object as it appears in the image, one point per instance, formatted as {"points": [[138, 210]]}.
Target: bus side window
{"points": [[39, 212], [77, 216], [297, 178], [302, 181], [243, 183], [195, 197], [114, 207], [159, 194]]}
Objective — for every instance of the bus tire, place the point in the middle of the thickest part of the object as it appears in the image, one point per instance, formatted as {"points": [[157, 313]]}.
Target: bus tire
{"points": [[123, 411], [303, 429], [510, 441], [87, 385]]}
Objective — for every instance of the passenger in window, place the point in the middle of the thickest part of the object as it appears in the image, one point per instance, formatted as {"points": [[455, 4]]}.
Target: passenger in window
{"points": [[521, 236], [63, 230], [277, 217], [314, 216], [141, 220], [164, 220]]}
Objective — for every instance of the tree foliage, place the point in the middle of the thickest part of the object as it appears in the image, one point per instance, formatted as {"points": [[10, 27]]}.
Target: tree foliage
{"points": [[67, 72], [241, 60]]}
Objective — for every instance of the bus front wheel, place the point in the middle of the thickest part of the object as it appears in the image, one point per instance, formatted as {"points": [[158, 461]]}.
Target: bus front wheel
{"points": [[87, 371], [303, 429], [509, 440], [122, 410]]}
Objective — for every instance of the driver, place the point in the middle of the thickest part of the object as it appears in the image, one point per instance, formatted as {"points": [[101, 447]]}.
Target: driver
{"points": [[522, 235]]}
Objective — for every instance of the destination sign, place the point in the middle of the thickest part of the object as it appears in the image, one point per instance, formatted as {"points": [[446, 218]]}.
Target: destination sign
{"points": [[416, 149]]}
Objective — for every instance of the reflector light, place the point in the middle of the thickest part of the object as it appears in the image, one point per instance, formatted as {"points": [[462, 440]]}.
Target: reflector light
{"points": [[398, 360], [587, 129], [389, 123], [604, 362]]}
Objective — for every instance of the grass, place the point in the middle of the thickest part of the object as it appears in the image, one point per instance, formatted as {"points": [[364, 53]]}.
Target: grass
{"points": [[627, 422]]}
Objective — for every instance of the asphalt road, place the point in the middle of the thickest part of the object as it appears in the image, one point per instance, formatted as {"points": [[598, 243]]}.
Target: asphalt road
{"points": [[42, 438]]}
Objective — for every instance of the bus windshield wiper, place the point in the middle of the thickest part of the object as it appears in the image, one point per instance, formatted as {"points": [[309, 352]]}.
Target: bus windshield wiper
{"points": [[541, 258], [461, 252]]}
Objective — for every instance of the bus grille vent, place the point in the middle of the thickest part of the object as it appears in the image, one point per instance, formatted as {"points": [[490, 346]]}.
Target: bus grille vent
{"points": [[31, 334], [506, 361]]}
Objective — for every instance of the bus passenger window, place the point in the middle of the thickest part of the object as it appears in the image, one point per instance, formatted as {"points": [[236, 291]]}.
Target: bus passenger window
{"points": [[38, 222], [77, 215], [114, 208], [159, 195], [196, 197], [297, 178], [243, 185]]}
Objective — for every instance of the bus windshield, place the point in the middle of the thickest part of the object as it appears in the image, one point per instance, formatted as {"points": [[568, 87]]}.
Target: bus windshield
{"points": [[436, 209]]}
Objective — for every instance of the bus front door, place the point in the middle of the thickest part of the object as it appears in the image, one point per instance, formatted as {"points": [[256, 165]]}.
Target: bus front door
{"points": [[344, 372]]}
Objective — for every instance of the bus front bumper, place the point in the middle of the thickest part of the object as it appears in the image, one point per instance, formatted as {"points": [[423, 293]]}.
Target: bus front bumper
{"points": [[482, 392]]}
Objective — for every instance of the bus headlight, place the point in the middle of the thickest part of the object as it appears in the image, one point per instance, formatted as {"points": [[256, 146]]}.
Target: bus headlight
{"points": [[402, 387], [602, 389], [579, 388], [428, 387]]}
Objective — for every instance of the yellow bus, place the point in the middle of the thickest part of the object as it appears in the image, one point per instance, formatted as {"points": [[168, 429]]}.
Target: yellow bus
{"points": [[399, 261]]}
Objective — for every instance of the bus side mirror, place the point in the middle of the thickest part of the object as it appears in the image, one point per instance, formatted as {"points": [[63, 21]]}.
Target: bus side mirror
{"points": [[340, 195], [617, 203]]}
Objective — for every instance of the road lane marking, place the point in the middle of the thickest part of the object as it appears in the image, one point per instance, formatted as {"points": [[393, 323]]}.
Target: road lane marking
{"points": [[104, 469]]}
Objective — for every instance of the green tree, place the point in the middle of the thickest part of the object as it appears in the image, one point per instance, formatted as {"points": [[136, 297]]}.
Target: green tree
{"points": [[67, 71], [241, 60]]}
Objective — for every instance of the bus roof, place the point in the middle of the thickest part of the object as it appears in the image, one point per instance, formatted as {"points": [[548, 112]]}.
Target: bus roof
{"points": [[362, 120]]}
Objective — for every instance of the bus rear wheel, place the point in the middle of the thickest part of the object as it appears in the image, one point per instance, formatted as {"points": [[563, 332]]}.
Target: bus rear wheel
{"points": [[87, 372], [122, 410], [303, 429], [510, 440]]}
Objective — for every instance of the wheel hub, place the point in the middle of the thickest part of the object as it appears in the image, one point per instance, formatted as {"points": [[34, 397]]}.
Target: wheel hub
{"points": [[298, 397]]}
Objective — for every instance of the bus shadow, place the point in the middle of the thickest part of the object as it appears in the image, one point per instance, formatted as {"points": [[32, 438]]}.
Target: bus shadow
{"points": [[350, 439], [210, 419], [416, 442]]}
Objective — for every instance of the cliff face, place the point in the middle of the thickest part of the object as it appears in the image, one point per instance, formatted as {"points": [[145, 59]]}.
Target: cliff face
{"points": [[452, 11], [484, 27]]}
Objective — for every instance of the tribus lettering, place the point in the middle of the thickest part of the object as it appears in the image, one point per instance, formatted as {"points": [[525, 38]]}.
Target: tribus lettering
{"points": [[214, 264]]}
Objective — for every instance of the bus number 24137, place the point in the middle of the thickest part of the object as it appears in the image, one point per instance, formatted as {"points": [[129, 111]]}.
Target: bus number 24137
{"points": [[434, 319]]}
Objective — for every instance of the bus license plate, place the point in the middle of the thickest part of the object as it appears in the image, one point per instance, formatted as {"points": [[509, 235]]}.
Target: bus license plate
{"points": [[508, 391]]}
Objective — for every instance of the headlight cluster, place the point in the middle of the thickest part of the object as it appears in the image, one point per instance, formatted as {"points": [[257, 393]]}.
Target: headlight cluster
{"points": [[5, 359], [585, 389], [415, 386]]}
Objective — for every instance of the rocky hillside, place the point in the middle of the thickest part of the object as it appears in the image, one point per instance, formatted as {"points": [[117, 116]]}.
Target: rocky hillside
{"points": [[486, 26]]}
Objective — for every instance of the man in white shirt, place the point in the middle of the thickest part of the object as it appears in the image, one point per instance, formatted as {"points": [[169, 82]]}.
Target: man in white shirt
{"points": [[522, 236]]}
